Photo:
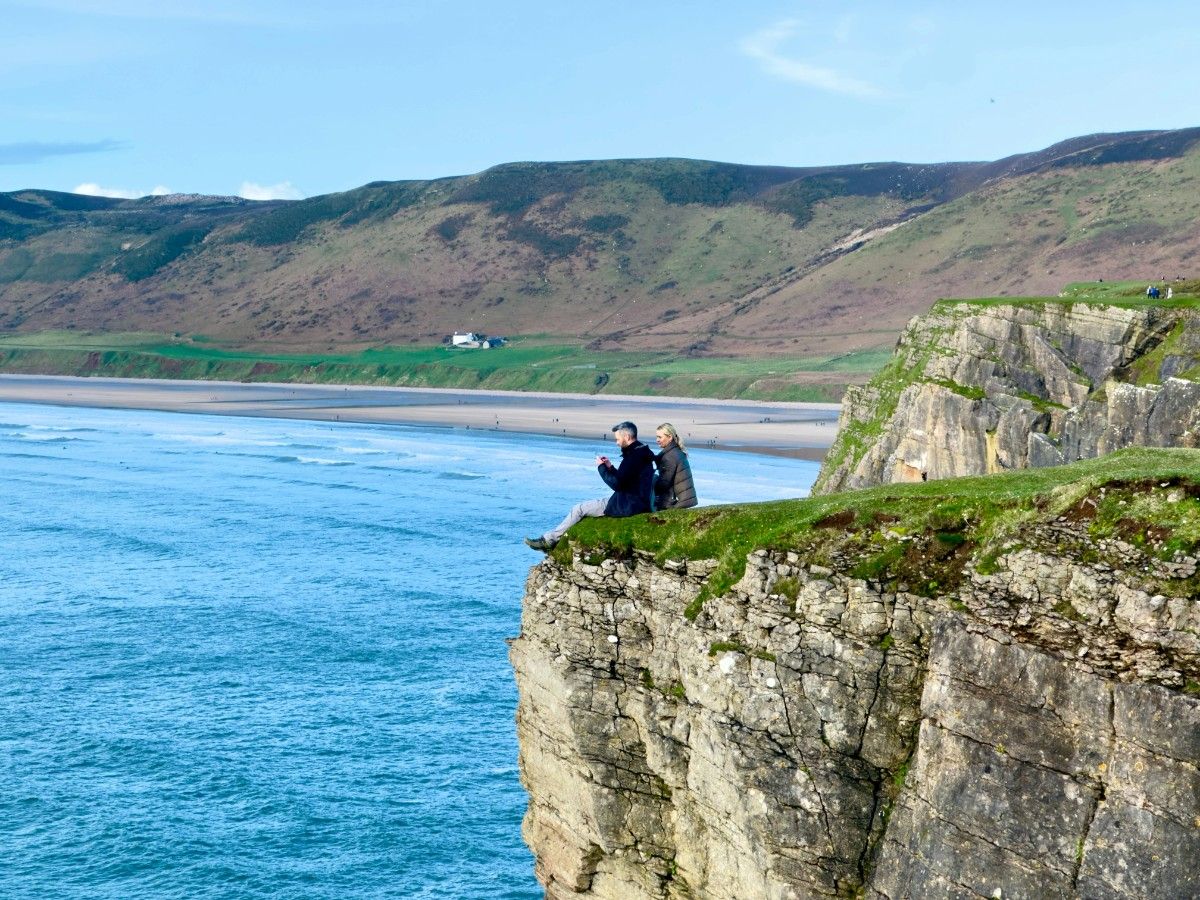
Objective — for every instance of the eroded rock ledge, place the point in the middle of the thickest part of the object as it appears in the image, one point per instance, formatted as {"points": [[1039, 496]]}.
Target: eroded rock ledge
{"points": [[977, 387], [1033, 732]]}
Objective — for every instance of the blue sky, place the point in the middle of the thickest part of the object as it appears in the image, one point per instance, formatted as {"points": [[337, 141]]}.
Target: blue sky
{"points": [[274, 99]]}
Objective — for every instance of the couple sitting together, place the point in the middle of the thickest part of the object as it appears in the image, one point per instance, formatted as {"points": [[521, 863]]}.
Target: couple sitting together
{"points": [[637, 488]]}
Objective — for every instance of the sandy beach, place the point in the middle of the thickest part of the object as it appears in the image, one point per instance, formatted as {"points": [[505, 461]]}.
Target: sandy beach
{"points": [[803, 430]]}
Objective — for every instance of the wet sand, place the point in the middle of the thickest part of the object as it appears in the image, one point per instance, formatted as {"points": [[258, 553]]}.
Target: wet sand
{"points": [[803, 430]]}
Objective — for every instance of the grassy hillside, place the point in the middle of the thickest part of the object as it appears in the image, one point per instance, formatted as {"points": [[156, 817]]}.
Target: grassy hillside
{"points": [[1020, 236], [683, 259]]}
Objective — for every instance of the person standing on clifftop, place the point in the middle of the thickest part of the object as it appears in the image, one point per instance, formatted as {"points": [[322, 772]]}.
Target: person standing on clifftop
{"points": [[673, 486], [632, 483]]}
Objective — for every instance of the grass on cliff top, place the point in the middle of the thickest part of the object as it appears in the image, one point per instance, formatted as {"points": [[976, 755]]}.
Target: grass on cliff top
{"points": [[1128, 294], [962, 515]]}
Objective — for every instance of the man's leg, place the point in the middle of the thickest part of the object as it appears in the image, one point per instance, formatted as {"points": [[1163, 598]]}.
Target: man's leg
{"points": [[578, 511]]}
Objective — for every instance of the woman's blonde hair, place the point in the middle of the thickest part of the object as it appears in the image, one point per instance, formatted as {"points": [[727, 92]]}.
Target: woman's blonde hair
{"points": [[669, 430]]}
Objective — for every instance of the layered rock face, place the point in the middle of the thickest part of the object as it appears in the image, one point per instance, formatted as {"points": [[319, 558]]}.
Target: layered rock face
{"points": [[1031, 733], [976, 388]]}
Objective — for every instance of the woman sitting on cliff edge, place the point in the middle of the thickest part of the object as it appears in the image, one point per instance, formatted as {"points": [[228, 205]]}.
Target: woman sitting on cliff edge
{"points": [[673, 486]]}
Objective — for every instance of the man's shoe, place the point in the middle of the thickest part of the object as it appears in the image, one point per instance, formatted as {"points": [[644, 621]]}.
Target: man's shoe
{"points": [[539, 543]]}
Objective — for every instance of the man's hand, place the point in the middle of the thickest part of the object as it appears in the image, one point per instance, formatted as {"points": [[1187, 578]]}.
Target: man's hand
{"points": [[603, 461]]}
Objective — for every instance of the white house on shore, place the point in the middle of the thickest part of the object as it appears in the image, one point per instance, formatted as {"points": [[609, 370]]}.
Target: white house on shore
{"points": [[469, 340]]}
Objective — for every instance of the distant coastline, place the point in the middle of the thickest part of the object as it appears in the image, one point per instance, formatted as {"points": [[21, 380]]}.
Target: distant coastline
{"points": [[797, 430]]}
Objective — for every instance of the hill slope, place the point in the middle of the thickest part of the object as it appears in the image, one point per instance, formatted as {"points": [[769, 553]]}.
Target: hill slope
{"points": [[678, 255]]}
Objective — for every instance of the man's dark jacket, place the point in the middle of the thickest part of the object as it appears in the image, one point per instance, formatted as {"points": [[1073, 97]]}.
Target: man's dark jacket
{"points": [[632, 482]]}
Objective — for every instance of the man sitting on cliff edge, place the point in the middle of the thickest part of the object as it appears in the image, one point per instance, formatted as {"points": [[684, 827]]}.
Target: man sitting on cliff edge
{"points": [[632, 483]]}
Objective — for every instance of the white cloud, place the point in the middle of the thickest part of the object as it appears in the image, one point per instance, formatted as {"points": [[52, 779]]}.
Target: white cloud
{"points": [[94, 190], [285, 190], [764, 46]]}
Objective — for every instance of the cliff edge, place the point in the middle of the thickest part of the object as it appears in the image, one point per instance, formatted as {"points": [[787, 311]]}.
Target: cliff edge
{"points": [[979, 386], [980, 688]]}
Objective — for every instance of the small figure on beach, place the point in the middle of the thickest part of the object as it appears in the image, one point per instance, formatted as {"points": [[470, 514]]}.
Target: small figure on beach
{"points": [[673, 486], [632, 483]]}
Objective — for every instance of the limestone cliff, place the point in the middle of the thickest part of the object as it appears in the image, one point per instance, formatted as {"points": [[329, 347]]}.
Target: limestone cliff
{"points": [[906, 694], [983, 386]]}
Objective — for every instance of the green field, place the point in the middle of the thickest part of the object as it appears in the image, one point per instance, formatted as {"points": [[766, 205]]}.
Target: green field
{"points": [[526, 364]]}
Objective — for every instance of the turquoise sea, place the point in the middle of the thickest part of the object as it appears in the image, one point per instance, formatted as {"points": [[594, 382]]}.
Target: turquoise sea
{"points": [[266, 658]]}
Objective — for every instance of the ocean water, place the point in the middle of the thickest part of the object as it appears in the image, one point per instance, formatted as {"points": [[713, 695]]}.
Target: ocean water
{"points": [[266, 658]]}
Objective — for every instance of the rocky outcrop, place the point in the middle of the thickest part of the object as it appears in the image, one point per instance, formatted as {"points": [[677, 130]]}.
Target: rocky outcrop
{"points": [[981, 387], [1032, 731], [986, 699]]}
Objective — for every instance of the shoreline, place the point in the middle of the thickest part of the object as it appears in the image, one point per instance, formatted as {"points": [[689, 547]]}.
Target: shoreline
{"points": [[796, 430]]}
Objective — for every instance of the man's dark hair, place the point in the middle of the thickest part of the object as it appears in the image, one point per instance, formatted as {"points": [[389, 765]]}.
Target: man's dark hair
{"points": [[627, 427]]}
